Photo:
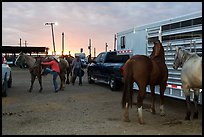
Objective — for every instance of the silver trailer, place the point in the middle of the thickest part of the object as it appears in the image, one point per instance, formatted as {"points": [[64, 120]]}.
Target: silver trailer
{"points": [[184, 31]]}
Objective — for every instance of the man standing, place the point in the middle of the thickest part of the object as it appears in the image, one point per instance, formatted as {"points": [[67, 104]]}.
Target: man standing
{"points": [[76, 70]]}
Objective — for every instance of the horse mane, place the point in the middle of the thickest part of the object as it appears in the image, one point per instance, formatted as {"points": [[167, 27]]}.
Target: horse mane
{"points": [[160, 56], [187, 54]]}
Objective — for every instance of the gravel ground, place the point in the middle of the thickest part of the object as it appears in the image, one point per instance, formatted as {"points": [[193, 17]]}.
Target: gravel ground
{"points": [[90, 109]]}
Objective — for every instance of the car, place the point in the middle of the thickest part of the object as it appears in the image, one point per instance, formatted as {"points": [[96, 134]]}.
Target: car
{"points": [[6, 77]]}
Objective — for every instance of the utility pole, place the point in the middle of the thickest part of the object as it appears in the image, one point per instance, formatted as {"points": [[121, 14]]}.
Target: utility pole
{"points": [[51, 23], [115, 40], [62, 43], [20, 42], [26, 43], [89, 47], [94, 52], [106, 47]]}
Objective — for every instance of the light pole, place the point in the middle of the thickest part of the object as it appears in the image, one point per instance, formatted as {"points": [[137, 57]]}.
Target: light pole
{"points": [[106, 47], [51, 23]]}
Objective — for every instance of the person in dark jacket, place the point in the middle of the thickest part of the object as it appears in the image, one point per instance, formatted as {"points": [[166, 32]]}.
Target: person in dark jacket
{"points": [[76, 70]]}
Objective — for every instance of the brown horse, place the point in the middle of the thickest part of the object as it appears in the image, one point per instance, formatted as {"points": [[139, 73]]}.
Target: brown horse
{"points": [[145, 71], [69, 70], [35, 69]]}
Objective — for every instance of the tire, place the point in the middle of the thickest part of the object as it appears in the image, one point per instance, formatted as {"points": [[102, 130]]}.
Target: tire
{"points": [[10, 81], [4, 87], [90, 81], [113, 84]]}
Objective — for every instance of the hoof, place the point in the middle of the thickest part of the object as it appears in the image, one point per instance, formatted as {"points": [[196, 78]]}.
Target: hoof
{"points": [[141, 121], [162, 114], [187, 118], [152, 111], [126, 120], [195, 116]]}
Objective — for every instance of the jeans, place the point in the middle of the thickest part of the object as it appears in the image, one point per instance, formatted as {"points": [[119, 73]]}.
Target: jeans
{"points": [[77, 72], [55, 74]]}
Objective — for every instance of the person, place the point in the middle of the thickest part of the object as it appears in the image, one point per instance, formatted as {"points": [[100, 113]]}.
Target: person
{"points": [[76, 70], [54, 70]]}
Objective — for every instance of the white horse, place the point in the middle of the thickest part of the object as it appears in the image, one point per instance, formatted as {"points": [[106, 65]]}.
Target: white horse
{"points": [[191, 76]]}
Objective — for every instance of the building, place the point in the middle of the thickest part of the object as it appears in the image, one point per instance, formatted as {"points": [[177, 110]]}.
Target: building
{"points": [[11, 51]]}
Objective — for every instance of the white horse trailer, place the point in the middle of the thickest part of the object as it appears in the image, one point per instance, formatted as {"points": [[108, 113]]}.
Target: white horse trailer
{"points": [[184, 31]]}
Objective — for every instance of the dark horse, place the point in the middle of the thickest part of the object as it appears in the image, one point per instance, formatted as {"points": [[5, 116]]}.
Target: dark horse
{"points": [[145, 71], [69, 69], [35, 69]]}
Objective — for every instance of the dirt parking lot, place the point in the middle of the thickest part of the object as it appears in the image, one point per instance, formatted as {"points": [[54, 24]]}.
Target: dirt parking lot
{"points": [[85, 110]]}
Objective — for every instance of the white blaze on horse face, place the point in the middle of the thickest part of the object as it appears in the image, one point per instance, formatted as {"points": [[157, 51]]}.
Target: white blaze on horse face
{"points": [[17, 59], [177, 59], [140, 112]]}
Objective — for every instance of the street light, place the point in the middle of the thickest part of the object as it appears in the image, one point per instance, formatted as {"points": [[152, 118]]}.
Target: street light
{"points": [[52, 23]]}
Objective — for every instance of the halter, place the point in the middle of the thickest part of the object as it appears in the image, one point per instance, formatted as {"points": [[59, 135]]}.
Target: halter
{"points": [[184, 58]]}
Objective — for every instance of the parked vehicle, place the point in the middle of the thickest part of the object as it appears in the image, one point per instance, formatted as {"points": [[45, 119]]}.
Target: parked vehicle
{"points": [[6, 77], [107, 68]]}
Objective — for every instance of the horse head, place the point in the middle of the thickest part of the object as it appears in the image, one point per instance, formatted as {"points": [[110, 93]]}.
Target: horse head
{"points": [[158, 50], [178, 58], [20, 60]]}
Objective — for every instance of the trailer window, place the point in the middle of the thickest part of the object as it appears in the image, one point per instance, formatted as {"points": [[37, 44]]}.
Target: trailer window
{"points": [[152, 39], [122, 42], [197, 21]]}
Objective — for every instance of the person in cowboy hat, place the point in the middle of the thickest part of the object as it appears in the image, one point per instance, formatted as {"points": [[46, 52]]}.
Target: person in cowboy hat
{"points": [[54, 70]]}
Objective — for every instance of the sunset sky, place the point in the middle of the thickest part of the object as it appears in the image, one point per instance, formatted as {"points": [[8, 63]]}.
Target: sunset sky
{"points": [[81, 21]]}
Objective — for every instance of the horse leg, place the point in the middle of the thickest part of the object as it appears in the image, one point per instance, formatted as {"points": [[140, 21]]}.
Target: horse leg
{"points": [[32, 81], [162, 90], [62, 79], [126, 100], [40, 82], [140, 98], [152, 109], [187, 94], [126, 113], [67, 82], [195, 100]]}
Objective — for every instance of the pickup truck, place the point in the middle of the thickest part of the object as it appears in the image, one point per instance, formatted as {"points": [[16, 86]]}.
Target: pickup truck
{"points": [[107, 68]]}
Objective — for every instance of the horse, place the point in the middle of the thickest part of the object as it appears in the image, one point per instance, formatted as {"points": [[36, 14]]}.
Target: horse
{"points": [[35, 69], [65, 68], [144, 70], [191, 76], [69, 70]]}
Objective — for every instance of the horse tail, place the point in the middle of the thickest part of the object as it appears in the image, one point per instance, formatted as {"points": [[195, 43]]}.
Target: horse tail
{"points": [[128, 84]]}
